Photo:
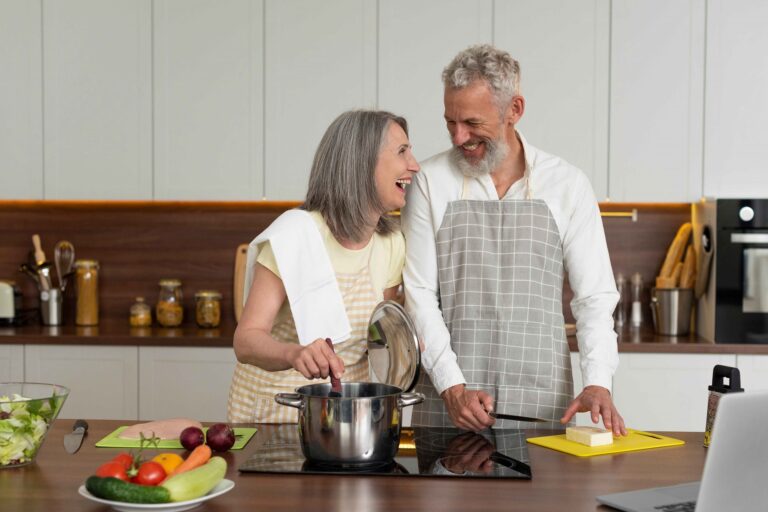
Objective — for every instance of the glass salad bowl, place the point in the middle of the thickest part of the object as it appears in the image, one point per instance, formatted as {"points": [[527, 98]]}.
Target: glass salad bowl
{"points": [[27, 411]]}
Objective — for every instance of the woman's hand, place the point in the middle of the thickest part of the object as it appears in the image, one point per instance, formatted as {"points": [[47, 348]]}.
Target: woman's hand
{"points": [[316, 361]]}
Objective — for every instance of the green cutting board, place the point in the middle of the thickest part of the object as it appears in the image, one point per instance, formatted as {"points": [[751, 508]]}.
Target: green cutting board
{"points": [[636, 440], [242, 436]]}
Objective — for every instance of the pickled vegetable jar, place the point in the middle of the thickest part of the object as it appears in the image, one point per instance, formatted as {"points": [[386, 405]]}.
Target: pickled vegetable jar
{"points": [[169, 309], [208, 308], [140, 314]]}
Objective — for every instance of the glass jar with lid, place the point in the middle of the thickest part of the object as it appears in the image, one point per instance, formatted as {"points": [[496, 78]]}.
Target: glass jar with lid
{"points": [[140, 313], [208, 308], [87, 291], [169, 309]]}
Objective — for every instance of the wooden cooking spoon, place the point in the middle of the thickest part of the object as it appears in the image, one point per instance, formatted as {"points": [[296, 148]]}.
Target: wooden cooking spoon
{"points": [[335, 383]]}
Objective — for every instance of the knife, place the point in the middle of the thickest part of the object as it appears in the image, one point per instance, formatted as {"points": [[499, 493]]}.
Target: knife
{"points": [[73, 440], [499, 416]]}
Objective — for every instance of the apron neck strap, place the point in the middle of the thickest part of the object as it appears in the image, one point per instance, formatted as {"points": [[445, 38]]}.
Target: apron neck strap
{"points": [[526, 177]]}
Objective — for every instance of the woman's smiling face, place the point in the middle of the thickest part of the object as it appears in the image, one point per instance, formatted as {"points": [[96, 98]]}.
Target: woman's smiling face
{"points": [[394, 169]]}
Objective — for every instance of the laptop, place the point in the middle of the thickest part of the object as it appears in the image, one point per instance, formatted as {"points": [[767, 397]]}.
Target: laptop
{"points": [[735, 472]]}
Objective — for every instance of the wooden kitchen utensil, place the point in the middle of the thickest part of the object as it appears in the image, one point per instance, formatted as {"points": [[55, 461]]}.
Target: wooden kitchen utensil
{"points": [[335, 383], [39, 254], [241, 257]]}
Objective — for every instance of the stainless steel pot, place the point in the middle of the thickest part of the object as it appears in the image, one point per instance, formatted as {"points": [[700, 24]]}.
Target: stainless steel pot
{"points": [[361, 427]]}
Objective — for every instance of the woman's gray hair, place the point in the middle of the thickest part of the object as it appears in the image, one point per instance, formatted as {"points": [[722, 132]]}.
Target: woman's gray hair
{"points": [[485, 62], [342, 183]]}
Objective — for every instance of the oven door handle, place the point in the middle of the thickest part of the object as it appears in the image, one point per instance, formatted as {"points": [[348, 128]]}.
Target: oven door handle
{"points": [[749, 238]]}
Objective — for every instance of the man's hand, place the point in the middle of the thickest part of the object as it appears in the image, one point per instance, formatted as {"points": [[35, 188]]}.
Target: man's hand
{"points": [[597, 400], [468, 409], [468, 452]]}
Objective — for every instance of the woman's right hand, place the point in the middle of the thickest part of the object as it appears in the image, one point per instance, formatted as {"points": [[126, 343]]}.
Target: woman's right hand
{"points": [[317, 360]]}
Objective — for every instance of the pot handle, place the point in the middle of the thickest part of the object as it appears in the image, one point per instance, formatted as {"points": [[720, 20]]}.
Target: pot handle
{"points": [[406, 399], [290, 399]]}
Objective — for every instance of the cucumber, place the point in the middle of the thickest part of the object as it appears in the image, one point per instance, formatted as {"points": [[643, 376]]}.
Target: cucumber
{"points": [[196, 482], [117, 490]]}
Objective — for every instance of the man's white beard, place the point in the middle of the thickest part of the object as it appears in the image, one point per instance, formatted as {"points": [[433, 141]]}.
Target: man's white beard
{"points": [[495, 153]]}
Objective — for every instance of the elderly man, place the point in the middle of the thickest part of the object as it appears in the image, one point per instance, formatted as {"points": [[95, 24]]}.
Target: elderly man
{"points": [[491, 226]]}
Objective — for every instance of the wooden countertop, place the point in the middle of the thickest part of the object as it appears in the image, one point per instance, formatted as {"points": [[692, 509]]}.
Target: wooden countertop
{"points": [[560, 482], [119, 333], [643, 340]]}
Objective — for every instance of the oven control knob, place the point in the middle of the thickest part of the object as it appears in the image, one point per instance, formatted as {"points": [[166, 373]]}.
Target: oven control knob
{"points": [[746, 213]]}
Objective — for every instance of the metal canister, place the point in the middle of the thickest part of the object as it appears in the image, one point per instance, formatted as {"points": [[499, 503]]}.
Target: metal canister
{"points": [[718, 389]]}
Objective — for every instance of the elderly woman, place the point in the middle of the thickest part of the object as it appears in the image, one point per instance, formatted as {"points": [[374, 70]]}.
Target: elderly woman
{"points": [[319, 271]]}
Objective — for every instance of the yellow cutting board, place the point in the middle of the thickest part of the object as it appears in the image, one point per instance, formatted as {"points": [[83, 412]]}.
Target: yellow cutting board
{"points": [[636, 440]]}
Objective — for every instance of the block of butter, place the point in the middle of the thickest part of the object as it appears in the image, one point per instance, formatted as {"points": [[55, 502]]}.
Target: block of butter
{"points": [[590, 436]]}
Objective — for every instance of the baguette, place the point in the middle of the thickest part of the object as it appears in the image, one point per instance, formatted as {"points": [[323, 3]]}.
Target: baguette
{"points": [[664, 282], [675, 278], [688, 275], [676, 250]]}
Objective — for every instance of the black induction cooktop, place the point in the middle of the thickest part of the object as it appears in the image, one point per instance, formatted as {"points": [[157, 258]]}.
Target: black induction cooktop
{"points": [[424, 451]]}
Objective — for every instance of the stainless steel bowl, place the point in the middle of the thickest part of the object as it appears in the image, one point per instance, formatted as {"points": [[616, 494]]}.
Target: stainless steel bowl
{"points": [[360, 427]]}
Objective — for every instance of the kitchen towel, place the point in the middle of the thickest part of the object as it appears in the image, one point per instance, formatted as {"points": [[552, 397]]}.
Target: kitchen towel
{"points": [[310, 282]]}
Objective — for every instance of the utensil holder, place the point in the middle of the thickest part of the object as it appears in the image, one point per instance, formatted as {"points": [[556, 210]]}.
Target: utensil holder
{"points": [[671, 310], [50, 306]]}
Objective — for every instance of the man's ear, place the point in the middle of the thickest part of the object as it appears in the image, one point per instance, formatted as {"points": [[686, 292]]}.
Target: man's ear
{"points": [[515, 110]]}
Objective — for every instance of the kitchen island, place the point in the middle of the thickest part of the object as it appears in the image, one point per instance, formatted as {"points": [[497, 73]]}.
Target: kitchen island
{"points": [[560, 482]]}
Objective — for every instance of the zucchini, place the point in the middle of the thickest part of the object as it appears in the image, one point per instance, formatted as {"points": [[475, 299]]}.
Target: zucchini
{"points": [[195, 482], [114, 489]]}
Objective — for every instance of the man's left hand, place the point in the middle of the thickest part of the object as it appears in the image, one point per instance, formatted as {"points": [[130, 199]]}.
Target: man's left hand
{"points": [[597, 400]]}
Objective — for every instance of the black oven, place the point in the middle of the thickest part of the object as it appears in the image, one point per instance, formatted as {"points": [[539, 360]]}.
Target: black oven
{"points": [[734, 233]]}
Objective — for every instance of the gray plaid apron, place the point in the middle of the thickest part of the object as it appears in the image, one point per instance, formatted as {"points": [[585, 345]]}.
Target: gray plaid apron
{"points": [[500, 270]]}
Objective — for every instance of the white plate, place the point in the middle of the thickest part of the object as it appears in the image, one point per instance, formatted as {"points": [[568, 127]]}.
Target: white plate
{"points": [[222, 487]]}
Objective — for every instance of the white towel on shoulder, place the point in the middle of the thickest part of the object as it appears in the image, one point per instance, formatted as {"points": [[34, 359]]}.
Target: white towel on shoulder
{"points": [[308, 277]]}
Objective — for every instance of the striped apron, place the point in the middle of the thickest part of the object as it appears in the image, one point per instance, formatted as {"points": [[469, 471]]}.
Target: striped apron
{"points": [[252, 392], [500, 271]]}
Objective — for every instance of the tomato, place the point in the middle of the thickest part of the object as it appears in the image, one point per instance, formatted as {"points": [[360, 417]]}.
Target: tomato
{"points": [[113, 469], [150, 473], [125, 458], [169, 461]]}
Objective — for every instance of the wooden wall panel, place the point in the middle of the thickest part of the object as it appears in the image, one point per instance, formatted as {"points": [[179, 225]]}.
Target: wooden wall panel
{"points": [[139, 243]]}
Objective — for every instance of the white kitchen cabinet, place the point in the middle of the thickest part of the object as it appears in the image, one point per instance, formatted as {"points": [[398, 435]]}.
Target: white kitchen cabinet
{"points": [[97, 63], [320, 60], [660, 392], [417, 40], [12, 363], [562, 47], [657, 100], [753, 370], [188, 382], [102, 379], [21, 106], [735, 149], [208, 109]]}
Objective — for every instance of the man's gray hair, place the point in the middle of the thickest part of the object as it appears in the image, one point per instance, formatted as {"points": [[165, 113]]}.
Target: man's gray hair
{"points": [[342, 183], [485, 62]]}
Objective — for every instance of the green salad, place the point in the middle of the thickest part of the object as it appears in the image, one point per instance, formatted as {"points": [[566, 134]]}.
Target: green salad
{"points": [[23, 425]]}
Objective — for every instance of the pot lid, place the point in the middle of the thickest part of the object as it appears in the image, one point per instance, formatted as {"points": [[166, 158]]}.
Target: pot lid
{"points": [[393, 348]]}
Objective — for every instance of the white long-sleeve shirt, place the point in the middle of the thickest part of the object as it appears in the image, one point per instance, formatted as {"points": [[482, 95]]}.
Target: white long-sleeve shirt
{"points": [[570, 198]]}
